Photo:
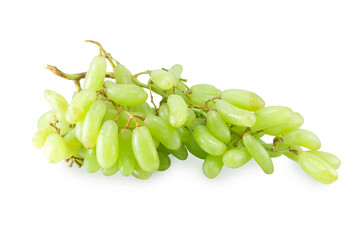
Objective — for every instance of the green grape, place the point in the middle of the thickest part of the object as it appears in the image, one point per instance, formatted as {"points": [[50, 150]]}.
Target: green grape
{"points": [[144, 149], [161, 148], [177, 109], [234, 115], [218, 127], [90, 161], [110, 171], [197, 122], [144, 108], [165, 161], [205, 89], [123, 119], [111, 112], [160, 130], [208, 142], [194, 149], [73, 144], [92, 124], [182, 95], [139, 173], [155, 142], [243, 99], [82, 151], [181, 86], [181, 153], [107, 144], [163, 112], [258, 152], [329, 158], [78, 131], [271, 116], [126, 94], [317, 168], [107, 83], [78, 108], [302, 138], [122, 75], [163, 79], [199, 99], [295, 122], [184, 134], [292, 152], [126, 159], [45, 119], [191, 118], [55, 148], [236, 157], [58, 104], [212, 166], [176, 71], [95, 76], [39, 139]]}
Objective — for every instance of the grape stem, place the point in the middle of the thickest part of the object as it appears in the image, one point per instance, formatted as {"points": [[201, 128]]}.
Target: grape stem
{"points": [[150, 88], [78, 161], [206, 108], [103, 52], [212, 99], [54, 125], [276, 142]]}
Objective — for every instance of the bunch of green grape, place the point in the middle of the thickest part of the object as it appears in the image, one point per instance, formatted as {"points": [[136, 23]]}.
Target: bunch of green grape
{"points": [[109, 126]]}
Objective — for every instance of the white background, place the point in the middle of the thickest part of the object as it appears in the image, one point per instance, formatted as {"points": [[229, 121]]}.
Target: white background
{"points": [[301, 54]]}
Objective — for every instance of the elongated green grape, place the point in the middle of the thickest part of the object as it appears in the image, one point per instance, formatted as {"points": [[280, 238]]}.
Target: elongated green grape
{"points": [[144, 149], [177, 109], [181, 153], [90, 161], [126, 94], [107, 144], [200, 99], [92, 124], [123, 119], [296, 121], [163, 79], [271, 116], [107, 83], [139, 173], [144, 108], [156, 142], [162, 148], [194, 149], [111, 112], [58, 104], [199, 121], [79, 106], [126, 159], [293, 152], [259, 153], [218, 127], [165, 161], [243, 99], [176, 71], [317, 168], [163, 112], [78, 131], [55, 148], [191, 118], [302, 138], [212, 166], [122, 75], [205, 89], [269, 148], [236, 157], [233, 115], [110, 171], [45, 119], [39, 139], [208, 142], [95, 76], [182, 95], [82, 151], [184, 134], [73, 144], [164, 133], [329, 158]]}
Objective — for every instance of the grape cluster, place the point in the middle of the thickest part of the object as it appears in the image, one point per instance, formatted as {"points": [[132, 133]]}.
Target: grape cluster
{"points": [[109, 125]]}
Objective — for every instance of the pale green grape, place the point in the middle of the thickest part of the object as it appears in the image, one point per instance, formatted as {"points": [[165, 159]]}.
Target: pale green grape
{"points": [[317, 168], [243, 99], [181, 153], [191, 118], [196, 150], [176, 71], [165, 161], [126, 159], [110, 171], [259, 153], [205, 89], [155, 142], [236, 157], [111, 112], [199, 99], [163, 79], [182, 95], [73, 144], [58, 104], [45, 119], [208, 142], [302, 138], [90, 161], [160, 130], [79, 106], [139, 173], [126, 94], [271, 116], [92, 124], [184, 134], [95, 76], [163, 112], [82, 151], [329, 158], [296, 121], [107, 144], [78, 131], [212, 166], [218, 127], [144, 149], [234, 115], [55, 148], [122, 75], [177, 109], [107, 83], [144, 108], [39, 139]]}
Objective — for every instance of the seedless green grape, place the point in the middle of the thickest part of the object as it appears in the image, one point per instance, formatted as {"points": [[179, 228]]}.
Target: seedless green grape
{"points": [[302, 138], [177, 109], [234, 115], [243, 99], [196, 150], [176, 71], [329, 158], [110, 171], [107, 144], [45, 119], [181, 153], [92, 124], [208, 142], [205, 89], [126, 159], [212, 166], [79, 106], [96, 74], [271, 116], [218, 127], [90, 161], [236, 157], [126, 94], [139, 173], [39, 139], [58, 104], [55, 148], [122, 75], [73, 144], [296, 121], [163, 79], [165, 161]]}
